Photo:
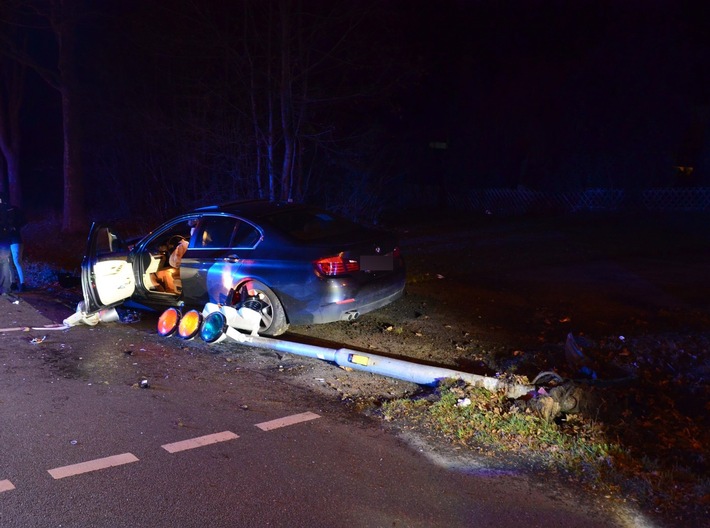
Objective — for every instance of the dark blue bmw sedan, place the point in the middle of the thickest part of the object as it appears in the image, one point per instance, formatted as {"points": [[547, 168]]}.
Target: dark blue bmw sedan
{"points": [[305, 265]]}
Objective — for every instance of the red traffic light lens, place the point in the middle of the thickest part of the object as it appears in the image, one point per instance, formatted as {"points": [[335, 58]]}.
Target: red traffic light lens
{"points": [[168, 322]]}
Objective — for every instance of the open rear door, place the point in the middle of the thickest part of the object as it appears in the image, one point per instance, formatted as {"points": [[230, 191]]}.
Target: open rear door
{"points": [[107, 277]]}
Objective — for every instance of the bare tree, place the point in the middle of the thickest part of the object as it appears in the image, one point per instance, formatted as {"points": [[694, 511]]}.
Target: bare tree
{"points": [[209, 101], [62, 18], [12, 76], [12, 80], [299, 64]]}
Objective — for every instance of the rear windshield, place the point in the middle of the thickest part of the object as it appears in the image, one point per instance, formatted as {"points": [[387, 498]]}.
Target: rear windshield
{"points": [[310, 224]]}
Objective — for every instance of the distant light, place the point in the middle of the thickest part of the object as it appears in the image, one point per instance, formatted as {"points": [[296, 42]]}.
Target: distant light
{"points": [[438, 145]]}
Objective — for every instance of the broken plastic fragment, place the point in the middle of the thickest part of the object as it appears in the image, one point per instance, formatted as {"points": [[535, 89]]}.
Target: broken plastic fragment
{"points": [[463, 402], [108, 315], [80, 316]]}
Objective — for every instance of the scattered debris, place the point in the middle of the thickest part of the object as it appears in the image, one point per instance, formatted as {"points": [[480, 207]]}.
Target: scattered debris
{"points": [[577, 360], [463, 402], [544, 406], [129, 316]]}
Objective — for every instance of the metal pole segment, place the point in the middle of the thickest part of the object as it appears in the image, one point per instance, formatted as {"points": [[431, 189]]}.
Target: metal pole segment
{"points": [[395, 368]]}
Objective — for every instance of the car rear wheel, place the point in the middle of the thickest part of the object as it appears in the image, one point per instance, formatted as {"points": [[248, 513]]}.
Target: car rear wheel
{"points": [[273, 316]]}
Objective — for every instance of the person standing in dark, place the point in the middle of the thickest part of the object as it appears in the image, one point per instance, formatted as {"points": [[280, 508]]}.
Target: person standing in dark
{"points": [[11, 221], [5, 252], [5, 273], [17, 222]]}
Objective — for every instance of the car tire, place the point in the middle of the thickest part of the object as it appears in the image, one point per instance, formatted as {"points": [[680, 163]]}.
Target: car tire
{"points": [[273, 316]]}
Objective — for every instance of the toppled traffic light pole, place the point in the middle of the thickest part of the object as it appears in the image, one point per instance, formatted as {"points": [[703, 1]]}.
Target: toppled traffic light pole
{"points": [[217, 323]]}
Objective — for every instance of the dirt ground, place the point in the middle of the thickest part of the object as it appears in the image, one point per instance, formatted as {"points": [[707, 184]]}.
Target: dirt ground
{"points": [[502, 295], [494, 295]]}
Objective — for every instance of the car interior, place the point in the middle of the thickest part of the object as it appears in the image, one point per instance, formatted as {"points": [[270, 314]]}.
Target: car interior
{"points": [[209, 232], [159, 276]]}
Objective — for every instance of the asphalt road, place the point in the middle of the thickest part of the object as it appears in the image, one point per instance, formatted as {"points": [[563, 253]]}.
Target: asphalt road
{"points": [[212, 443]]}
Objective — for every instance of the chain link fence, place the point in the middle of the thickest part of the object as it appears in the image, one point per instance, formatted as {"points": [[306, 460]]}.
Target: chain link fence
{"points": [[522, 201]]}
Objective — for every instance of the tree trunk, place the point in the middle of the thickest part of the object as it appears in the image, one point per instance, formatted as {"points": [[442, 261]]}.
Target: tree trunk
{"points": [[74, 219], [270, 112], [10, 102], [286, 105], [258, 135]]}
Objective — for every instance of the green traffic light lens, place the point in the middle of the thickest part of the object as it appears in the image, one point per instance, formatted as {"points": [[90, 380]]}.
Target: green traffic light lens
{"points": [[213, 327]]}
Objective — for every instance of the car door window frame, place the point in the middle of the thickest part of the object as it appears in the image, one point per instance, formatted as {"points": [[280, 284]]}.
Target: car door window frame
{"points": [[236, 241]]}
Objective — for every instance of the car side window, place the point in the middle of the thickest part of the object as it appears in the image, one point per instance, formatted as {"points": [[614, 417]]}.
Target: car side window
{"points": [[245, 236], [216, 232]]}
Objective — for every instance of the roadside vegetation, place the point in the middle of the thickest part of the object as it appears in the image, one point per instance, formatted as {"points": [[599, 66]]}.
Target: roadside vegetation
{"points": [[492, 423], [635, 444]]}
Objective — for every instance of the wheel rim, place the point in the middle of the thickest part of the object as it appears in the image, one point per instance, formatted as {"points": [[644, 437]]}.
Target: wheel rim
{"points": [[267, 309]]}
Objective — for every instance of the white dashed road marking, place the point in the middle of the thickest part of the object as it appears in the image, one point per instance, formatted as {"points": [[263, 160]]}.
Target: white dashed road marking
{"points": [[92, 465], [288, 420], [200, 441], [175, 447]]}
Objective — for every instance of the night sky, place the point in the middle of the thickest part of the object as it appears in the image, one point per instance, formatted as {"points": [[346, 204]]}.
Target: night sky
{"points": [[550, 95]]}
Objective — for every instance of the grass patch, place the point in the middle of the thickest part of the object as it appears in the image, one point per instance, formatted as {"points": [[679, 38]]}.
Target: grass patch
{"points": [[476, 417]]}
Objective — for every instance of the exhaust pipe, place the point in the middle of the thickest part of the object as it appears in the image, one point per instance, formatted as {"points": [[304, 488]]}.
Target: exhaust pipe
{"points": [[350, 316]]}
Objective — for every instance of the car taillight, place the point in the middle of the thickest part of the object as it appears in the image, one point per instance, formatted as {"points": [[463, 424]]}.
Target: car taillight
{"points": [[334, 266]]}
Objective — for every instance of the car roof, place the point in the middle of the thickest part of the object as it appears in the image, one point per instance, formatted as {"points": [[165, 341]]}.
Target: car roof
{"points": [[251, 208]]}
